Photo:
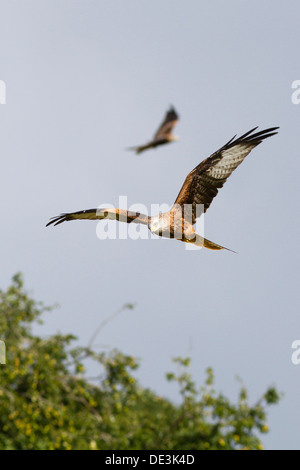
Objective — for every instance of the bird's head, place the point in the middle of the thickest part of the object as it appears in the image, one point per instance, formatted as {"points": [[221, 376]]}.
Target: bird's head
{"points": [[155, 225]]}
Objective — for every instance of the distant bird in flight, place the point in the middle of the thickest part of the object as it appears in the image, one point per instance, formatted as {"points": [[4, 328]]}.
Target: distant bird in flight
{"points": [[200, 187], [164, 133]]}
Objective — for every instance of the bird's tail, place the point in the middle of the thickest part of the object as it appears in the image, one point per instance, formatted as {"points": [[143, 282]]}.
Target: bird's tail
{"points": [[213, 246], [139, 149], [201, 241]]}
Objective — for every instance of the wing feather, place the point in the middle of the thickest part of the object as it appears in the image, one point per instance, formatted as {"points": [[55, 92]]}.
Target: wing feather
{"points": [[99, 214], [168, 124], [202, 184]]}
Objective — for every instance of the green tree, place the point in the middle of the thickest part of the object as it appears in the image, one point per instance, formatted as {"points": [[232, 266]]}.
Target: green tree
{"points": [[47, 403]]}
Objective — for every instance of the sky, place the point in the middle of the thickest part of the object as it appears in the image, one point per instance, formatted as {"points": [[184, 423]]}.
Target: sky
{"points": [[84, 80]]}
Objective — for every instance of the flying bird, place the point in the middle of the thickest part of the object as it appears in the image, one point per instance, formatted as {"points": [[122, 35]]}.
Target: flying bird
{"points": [[164, 133], [199, 189]]}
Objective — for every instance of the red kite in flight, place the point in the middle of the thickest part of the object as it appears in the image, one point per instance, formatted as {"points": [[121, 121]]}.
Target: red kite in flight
{"points": [[164, 133], [200, 187]]}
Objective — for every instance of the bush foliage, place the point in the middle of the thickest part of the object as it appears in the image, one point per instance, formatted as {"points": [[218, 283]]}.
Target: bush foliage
{"points": [[47, 403]]}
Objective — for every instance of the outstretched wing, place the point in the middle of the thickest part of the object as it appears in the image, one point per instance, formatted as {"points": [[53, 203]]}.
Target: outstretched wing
{"points": [[165, 129], [99, 214], [202, 183]]}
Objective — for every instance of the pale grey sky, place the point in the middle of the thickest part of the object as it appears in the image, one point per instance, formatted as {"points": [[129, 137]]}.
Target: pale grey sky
{"points": [[86, 79]]}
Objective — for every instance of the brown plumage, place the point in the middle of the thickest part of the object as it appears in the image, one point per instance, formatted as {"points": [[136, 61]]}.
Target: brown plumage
{"points": [[203, 182], [200, 187], [164, 133]]}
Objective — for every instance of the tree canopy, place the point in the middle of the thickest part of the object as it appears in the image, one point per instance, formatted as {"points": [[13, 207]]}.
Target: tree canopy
{"points": [[48, 403]]}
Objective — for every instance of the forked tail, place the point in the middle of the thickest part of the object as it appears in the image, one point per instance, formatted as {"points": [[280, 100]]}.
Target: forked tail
{"points": [[139, 149], [201, 241]]}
